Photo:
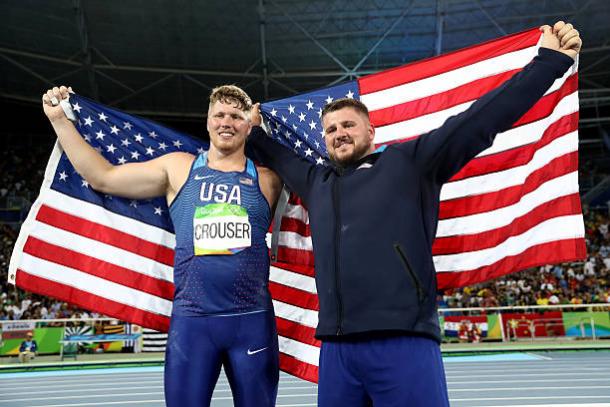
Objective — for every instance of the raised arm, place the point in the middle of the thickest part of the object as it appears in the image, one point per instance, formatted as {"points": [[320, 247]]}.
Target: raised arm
{"points": [[133, 180], [298, 173], [444, 151]]}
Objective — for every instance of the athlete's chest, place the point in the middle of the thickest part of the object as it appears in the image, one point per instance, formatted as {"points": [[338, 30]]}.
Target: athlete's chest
{"points": [[227, 206], [231, 188]]}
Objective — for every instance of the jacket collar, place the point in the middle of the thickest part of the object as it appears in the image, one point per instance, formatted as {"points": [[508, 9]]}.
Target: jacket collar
{"points": [[367, 159]]}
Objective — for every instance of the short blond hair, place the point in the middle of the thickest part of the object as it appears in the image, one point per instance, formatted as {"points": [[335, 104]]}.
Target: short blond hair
{"points": [[231, 94]]}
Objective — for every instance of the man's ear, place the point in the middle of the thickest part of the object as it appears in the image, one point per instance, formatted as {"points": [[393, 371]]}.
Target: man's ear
{"points": [[371, 132]]}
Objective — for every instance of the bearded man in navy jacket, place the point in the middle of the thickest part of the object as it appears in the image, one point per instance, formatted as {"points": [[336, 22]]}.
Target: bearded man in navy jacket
{"points": [[373, 218]]}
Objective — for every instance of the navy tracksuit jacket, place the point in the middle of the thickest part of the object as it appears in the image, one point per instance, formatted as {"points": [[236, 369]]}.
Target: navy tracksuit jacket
{"points": [[373, 226]]}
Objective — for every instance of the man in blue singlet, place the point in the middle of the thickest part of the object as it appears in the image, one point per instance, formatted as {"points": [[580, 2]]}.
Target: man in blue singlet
{"points": [[221, 205]]}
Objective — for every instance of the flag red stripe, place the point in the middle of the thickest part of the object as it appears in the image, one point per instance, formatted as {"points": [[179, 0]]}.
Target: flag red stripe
{"points": [[448, 62], [558, 251], [90, 301], [296, 331], [105, 234], [296, 226], [293, 296], [542, 109], [562, 206], [294, 199], [486, 202], [545, 106], [517, 156], [98, 268], [298, 368], [440, 101], [298, 257]]}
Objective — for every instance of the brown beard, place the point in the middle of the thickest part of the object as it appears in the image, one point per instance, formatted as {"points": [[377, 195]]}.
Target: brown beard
{"points": [[358, 152]]}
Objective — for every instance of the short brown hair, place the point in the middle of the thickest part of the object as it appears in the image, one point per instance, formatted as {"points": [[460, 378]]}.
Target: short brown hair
{"points": [[342, 104], [231, 94]]}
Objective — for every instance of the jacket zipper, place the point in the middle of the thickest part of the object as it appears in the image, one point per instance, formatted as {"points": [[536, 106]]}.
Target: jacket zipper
{"points": [[337, 247], [421, 295]]}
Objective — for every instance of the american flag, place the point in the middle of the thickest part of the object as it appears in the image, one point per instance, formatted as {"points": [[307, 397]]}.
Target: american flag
{"points": [[103, 253], [514, 206]]}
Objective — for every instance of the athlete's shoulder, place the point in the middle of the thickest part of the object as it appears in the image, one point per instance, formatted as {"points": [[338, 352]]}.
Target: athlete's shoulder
{"points": [[265, 170], [270, 184], [179, 156], [267, 173], [406, 146], [178, 160]]}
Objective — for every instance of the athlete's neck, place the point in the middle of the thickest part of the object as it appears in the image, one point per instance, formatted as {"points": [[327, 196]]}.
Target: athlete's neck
{"points": [[226, 161]]}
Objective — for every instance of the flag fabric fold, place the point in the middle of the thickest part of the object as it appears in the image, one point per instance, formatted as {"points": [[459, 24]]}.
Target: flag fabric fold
{"points": [[516, 205]]}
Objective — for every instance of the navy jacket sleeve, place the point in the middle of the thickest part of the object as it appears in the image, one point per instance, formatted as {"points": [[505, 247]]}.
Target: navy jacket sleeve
{"points": [[444, 151], [295, 171]]}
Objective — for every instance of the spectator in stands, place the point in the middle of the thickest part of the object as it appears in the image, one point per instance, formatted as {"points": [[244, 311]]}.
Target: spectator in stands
{"points": [[28, 349]]}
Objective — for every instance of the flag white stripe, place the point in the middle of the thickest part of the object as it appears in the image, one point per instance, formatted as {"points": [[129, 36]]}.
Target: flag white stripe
{"points": [[559, 228], [291, 279], [532, 132], [418, 125], [102, 251], [425, 123], [296, 212], [296, 314], [449, 80], [485, 221], [95, 285], [97, 214], [295, 241], [299, 350], [496, 181]]}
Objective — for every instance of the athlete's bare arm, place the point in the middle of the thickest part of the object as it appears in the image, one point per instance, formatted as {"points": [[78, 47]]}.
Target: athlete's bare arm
{"points": [[162, 176], [270, 184]]}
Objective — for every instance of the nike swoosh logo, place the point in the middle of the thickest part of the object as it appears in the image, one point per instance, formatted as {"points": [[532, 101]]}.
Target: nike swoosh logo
{"points": [[199, 177], [252, 352]]}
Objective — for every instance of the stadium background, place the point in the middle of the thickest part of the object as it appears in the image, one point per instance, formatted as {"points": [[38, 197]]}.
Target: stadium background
{"points": [[161, 59]]}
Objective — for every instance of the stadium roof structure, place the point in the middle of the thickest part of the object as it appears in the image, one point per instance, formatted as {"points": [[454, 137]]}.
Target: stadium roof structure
{"points": [[161, 58]]}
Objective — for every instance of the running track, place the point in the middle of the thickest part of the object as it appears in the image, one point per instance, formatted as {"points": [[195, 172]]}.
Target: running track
{"points": [[524, 379]]}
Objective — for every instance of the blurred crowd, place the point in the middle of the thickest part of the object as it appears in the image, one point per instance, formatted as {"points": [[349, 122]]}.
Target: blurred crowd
{"points": [[21, 172]]}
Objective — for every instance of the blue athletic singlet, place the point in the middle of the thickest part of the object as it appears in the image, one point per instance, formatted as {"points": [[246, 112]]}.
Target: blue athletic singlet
{"points": [[222, 314], [221, 261]]}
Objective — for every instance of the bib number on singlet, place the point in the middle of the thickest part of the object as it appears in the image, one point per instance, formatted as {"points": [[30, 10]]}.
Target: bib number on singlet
{"points": [[221, 228]]}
